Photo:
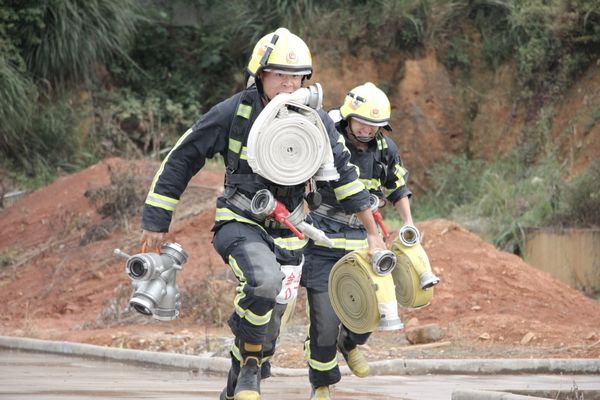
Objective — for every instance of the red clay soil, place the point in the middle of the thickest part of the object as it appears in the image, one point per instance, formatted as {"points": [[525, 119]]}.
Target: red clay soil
{"points": [[490, 304]]}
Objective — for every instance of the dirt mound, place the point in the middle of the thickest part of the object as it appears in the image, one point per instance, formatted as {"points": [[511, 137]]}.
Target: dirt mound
{"points": [[489, 304]]}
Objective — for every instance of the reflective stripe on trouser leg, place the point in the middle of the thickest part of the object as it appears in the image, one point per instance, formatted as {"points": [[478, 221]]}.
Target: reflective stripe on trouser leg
{"points": [[320, 348], [273, 330], [248, 253]]}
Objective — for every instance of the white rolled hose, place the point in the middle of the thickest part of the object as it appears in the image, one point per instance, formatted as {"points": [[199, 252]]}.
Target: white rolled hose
{"points": [[288, 143]]}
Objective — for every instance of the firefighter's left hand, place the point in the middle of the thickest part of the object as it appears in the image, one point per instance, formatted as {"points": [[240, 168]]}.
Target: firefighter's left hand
{"points": [[375, 243]]}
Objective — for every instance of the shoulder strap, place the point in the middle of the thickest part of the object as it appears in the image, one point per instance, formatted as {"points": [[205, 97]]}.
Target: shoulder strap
{"points": [[239, 130], [382, 149]]}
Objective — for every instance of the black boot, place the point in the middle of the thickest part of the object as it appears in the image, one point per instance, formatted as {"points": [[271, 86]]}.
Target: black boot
{"points": [[265, 369], [232, 377], [234, 370], [248, 381]]}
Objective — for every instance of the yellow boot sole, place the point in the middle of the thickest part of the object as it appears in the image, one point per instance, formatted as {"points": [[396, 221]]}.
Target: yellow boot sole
{"points": [[321, 393], [247, 395]]}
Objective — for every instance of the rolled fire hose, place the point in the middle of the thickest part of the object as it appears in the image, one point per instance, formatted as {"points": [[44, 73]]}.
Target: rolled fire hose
{"points": [[287, 314], [288, 143], [411, 261], [360, 297]]}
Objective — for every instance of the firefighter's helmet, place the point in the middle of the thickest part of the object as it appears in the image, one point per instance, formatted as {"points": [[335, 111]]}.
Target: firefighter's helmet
{"points": [[368, 104], [281, 51]]}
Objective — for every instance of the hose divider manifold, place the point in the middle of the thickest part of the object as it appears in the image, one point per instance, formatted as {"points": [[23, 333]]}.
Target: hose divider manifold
{"points": [[153, 277]]}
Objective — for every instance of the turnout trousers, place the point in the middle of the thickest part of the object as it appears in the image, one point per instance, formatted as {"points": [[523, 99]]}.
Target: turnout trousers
{"points": [[255, 259], [320, 346]]}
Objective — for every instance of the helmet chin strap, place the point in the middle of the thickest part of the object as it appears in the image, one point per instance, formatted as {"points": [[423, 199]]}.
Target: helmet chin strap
{"points": [[361, 139]]}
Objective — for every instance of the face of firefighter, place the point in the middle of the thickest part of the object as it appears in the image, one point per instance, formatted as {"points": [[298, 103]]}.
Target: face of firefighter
{"points": [[361, 132], [275, 82]]}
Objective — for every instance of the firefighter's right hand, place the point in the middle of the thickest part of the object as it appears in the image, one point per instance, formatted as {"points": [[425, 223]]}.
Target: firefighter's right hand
{"points": [[151, 241], [375, 243]]}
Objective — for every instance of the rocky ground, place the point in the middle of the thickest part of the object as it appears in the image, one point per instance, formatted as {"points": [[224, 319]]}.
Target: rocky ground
{"points": [[60, 281]]}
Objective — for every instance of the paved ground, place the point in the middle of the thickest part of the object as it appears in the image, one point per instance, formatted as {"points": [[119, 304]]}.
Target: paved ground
{"points": [[35, 376]]}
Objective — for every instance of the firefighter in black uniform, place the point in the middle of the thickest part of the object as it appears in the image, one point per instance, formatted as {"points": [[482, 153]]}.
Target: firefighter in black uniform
{"points": [[255, 249], [365, 112]]}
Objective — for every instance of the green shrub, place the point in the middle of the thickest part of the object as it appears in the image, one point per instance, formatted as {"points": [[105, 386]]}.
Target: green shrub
{"points": [[492, 20], [497, 199], [130, 125], [582, 199], [456, 55], [455, 181]]}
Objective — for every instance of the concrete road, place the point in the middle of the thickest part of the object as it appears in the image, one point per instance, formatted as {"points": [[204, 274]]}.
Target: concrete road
{"points": [[35, 376]]}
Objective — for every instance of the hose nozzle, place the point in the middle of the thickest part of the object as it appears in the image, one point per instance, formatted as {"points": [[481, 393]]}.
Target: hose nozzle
{"points": [[264, 204], [409, 235], [384, 261]]}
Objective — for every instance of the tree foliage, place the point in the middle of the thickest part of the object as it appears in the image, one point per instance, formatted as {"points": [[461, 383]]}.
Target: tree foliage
{"points": [[47, 48], [63, 41], [85, 79]]}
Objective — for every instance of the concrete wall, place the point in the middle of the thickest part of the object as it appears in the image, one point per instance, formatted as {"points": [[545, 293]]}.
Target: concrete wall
{"points": [[571, 255]]}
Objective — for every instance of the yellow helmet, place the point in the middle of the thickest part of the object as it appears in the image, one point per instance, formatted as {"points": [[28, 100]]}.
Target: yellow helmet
{"points": [[281, 51], [368, 104]]}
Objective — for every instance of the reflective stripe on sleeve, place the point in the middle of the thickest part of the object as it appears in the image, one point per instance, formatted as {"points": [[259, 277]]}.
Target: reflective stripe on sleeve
{"points": [[371, 184], [160, 201], [162, 167], [348, 189], [399, 173]]}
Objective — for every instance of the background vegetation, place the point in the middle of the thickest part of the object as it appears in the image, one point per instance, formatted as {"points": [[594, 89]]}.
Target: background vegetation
{"points": [[80, 81]]}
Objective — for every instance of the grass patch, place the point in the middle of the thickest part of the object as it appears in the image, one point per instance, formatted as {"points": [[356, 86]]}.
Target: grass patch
{"points": [[8, 258]]}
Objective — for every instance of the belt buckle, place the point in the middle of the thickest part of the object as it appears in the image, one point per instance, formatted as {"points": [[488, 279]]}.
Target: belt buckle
{"points": [[271, 223]]}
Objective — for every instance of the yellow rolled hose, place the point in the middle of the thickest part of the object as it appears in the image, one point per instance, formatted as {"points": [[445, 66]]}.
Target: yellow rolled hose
{"points": [[355, 292], [288, 314], [411, 261]]}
